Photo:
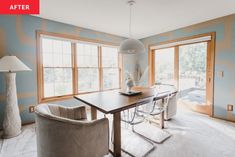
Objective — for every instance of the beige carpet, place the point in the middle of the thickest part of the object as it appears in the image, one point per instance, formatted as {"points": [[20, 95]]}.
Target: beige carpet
{"points": [[193, 135]]}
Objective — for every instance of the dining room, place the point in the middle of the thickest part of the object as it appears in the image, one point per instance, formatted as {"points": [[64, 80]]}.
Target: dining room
{"points": [[118, 78]]}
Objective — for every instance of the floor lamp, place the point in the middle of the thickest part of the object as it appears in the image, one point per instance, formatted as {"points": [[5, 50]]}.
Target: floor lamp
{"points": [[11, 122]]}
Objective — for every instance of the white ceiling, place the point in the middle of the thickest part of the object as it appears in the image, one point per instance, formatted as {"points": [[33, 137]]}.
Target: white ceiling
{"points": [[150, 17]]}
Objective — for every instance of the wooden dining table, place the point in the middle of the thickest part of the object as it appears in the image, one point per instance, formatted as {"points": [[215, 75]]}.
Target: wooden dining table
{"points": [[112, 102]]}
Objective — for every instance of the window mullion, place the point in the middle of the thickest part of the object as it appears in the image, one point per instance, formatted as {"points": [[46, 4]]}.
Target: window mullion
{"points": [[75, 69], [176, 67], [120, 66], [100, 68]]}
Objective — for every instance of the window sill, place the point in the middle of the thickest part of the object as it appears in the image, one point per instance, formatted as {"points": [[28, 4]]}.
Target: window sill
{"points": [[54, 99], [66, 97]]}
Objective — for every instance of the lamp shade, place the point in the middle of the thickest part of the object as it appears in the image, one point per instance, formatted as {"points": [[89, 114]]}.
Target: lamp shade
{"points": [[131, 46], [12, 64]]}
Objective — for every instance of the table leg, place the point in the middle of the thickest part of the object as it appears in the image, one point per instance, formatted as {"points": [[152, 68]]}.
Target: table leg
{"points": [[162, 120], [93, 113], [117, 134]]}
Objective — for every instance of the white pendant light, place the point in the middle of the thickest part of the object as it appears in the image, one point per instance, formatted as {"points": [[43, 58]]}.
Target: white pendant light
{"points": [[131, 45]]}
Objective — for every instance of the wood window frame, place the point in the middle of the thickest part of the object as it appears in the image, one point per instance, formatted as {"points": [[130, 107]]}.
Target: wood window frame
{"points": [[210, 64], [40, 82], [98, 68], [119, 68]]}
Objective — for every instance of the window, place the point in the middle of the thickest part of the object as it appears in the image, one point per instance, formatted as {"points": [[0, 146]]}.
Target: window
{"points": [[68, 67], [57, 67], [110, 68], [88, 68]]}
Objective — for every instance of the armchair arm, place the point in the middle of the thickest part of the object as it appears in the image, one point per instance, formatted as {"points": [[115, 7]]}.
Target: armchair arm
{"points": [[97, 137]]}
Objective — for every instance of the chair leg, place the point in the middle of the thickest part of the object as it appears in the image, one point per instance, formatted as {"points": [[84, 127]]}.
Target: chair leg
{"points": [[146, 154], [145, 138], [152, 140], [153, 121]]}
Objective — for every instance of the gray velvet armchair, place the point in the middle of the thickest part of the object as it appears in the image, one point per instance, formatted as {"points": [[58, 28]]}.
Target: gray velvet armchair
{"points": [[66, 132]]}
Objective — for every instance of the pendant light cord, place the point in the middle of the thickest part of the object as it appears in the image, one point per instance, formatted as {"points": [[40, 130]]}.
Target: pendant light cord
{"points": [[130, 34]]}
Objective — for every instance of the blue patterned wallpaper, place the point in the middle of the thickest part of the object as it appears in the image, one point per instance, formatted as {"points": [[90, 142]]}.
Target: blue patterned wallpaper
{"points": [[18, 37]]}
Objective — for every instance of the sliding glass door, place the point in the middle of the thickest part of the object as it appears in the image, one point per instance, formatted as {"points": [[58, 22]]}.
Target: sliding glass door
{"points": [[164, 66], [192, 72], [193, 76], [189, 67]]}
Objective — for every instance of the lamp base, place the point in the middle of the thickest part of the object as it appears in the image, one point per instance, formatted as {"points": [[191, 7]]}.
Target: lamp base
{"points": [[10, 136], [11, 121]]}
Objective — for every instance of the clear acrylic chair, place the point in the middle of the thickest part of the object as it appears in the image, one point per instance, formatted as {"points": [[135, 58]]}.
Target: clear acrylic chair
{"points": [[160, 106], [132, 117], [156, 107]]}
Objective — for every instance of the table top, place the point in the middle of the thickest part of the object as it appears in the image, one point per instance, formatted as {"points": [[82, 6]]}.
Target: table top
{"points": [[113, 102]]}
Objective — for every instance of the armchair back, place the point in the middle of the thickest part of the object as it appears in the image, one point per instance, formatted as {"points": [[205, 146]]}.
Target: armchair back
{"points": [[63, 131]]}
